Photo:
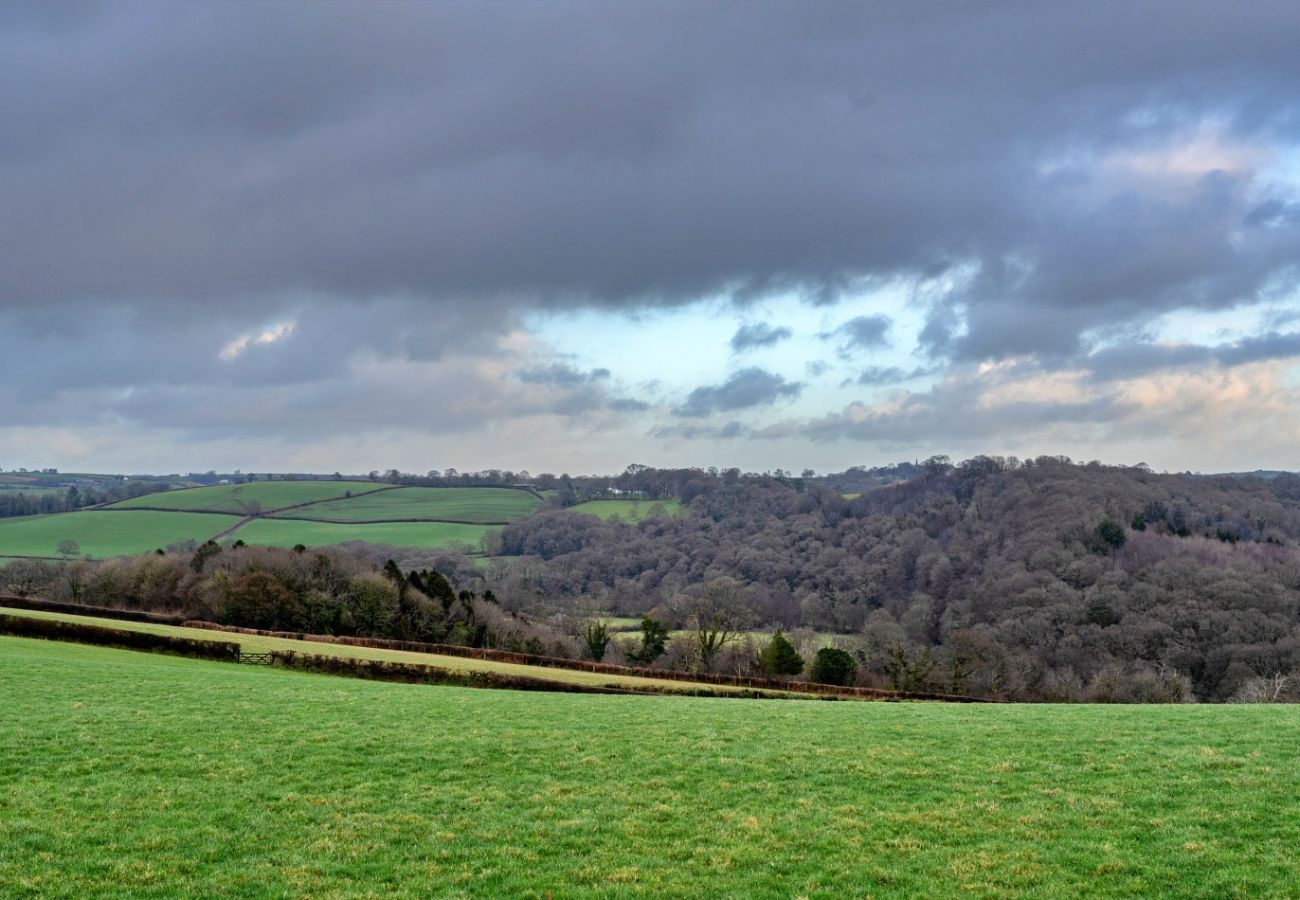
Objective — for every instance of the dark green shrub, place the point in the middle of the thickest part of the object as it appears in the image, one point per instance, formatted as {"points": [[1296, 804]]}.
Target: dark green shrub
{"points": [[833, 666], [779, 657], [654, 637], [596, 638], [1101, 613], [1109, 535]]}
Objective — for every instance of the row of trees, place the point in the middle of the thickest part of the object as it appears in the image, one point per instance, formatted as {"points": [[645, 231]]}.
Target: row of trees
{"points": [[322, 592], [40, 501]]}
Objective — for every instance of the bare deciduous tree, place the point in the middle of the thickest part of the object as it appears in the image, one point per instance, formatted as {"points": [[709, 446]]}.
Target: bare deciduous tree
{"points": [[1279, 687]]}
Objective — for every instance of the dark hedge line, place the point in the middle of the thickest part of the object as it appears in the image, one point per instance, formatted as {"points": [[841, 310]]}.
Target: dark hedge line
{"points": [[21, 626], [527, 659], [415, 673], [80, 609]]}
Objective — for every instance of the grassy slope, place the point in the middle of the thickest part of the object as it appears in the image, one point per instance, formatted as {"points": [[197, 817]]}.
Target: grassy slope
{"points": [[256, 644], [135, 775], [460, 504], [288, 532], [103, 534], [627, 510], [227, 497]]}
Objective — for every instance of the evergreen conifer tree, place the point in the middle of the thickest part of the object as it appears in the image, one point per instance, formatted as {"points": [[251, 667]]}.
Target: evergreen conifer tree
{"points": [[779, 657]]}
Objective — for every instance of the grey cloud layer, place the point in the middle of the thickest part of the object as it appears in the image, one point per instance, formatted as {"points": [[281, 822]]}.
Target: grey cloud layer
{"points": [[745, 389], [862, 333], [618, 153], [758, 334], [404, 181], [1134, 359]]}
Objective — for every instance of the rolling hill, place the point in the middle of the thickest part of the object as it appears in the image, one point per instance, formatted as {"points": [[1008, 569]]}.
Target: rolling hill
{"points": [[275, 513]]}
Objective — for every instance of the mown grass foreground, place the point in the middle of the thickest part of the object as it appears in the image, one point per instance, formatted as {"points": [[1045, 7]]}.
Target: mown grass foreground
{"points": [[135, 775]]}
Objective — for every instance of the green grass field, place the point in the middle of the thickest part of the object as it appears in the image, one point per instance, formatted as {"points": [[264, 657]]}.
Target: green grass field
{"points": [[101, 534], [427, 535], [130, 775], [234, 498], [484, 505], [253, 643], [628, 510]]}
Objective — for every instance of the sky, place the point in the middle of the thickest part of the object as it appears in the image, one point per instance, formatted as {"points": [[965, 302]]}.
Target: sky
{"points": [[568, 237]]}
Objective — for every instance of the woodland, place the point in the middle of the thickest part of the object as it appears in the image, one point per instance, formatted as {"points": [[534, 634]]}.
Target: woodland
{"points": [[1036, 580]]}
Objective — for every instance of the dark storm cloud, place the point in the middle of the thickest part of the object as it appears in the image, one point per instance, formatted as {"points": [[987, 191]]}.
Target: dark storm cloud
{"points": [[877, 376], [561, 375], [861, 333], [758, 334], [728, 431], [746, 388], [627, 404], [623, 153], [405, 180], [1135, 359]]}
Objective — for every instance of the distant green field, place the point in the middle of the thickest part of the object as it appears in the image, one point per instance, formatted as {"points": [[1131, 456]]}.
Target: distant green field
{"points": [[627, 510], [621, 623], [235, 498], [131, 774], [483, 505], [852, 495], [101, 534], [288, 532]]}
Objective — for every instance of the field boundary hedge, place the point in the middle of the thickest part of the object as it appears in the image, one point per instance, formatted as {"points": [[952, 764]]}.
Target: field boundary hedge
{"points": [[79, 633], [114, 506], [276, 517], [100, 612], [418, 673], [528, 659], [166, 509]]}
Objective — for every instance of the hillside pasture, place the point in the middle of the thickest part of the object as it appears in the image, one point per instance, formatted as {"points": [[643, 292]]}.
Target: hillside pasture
{"points": [[101, 534], [254, 643], [239, 498], [629, 511], [133, 774], [421, 535], [482, 505]]}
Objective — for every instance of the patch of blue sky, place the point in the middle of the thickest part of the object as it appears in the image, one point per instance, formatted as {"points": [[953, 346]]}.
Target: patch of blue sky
{"points": [[1211, 327], [667, 352]]}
